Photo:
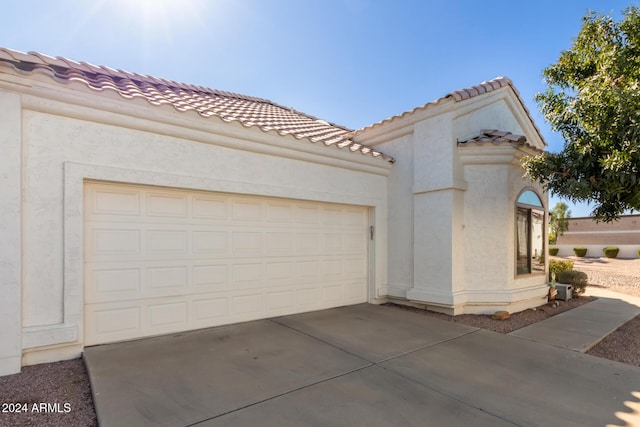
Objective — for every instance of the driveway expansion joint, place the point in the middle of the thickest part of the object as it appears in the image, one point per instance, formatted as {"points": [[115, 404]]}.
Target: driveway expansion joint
{"points": [[368, 365], [283, 394], [449, 396], [374, 361], [318, 339], [426, 346]]}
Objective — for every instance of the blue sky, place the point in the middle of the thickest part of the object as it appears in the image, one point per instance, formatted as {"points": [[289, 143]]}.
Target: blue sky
{"points": [[352, 62]]}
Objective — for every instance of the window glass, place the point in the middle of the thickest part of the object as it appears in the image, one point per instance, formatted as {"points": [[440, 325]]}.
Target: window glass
{"points": [[522, 243], [529, 198], [537, 241]]}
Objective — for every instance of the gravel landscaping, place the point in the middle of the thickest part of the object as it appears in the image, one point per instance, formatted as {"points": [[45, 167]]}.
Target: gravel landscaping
{"points": [[515, 321], [623, 345], [619, 275], [50, 394], [59, 394]]}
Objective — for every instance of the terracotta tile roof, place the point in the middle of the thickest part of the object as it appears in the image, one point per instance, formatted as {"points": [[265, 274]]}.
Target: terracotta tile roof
{"points": [[247, 110], [497, 137], [484, 87], [461, 95]]}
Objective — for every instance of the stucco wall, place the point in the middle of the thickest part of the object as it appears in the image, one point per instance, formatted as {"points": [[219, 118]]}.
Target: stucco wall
{"points": [[10, 233], [425, 201], [452, 240], [59, 151], [495, 179], [445, 226], [487, 215], [400, 223], [437, 192], [494, 113]]}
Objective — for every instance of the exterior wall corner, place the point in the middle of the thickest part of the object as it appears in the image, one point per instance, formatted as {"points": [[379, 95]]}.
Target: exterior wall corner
{"points": [[10, 233]]}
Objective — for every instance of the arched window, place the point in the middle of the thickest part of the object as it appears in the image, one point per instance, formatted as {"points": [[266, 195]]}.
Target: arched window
{"points": [[530, 235]]}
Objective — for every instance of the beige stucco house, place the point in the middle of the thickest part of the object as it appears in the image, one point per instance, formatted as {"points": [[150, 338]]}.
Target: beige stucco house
{"points": [[135, 206], [624, 233]]}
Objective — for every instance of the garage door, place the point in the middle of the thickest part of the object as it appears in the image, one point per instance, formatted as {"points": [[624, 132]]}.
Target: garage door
{"points": [[160, 260]]}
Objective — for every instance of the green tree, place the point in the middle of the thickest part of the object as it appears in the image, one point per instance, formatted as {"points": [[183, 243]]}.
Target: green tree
{"points": [[593, 99], [559, 222]]}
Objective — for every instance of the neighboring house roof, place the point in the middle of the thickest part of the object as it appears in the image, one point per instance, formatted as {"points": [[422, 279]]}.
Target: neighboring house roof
{"points": [[247, 110], [462, 95], [497, 137]]}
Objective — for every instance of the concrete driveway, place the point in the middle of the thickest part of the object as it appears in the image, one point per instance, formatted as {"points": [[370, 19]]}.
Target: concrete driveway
{"points": [[360, 365]]}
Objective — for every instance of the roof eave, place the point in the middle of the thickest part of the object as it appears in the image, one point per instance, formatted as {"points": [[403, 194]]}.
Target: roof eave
{"points": [[399, 125], [161, 92], [44, 95]]}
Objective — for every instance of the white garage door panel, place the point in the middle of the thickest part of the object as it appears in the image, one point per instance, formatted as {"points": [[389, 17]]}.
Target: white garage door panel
{"points": [[163, 260]]}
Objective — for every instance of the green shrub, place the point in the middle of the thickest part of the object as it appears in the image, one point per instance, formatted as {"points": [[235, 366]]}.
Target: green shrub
{"points": [[580, 251], [559, 265], [553, 250], [611, 251], [577, 279]]}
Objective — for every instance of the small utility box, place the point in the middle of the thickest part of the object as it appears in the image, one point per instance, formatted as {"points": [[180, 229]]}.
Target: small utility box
{"points": [[565, 291]]}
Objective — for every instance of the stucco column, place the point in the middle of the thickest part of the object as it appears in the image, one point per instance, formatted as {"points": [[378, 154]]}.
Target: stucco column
{"points": [[438, 214], [438, 246], [10, 233]]}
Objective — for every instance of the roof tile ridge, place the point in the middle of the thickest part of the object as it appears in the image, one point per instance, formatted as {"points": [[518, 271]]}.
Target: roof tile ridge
{"points": [[6, 54], [72, 65], [397, 116], [86, 67], [106, 78], [112, 71], [479, 89], [16, 56], [126, 74], [42, 59], [457, 95], [91, 68], [505, 81]]}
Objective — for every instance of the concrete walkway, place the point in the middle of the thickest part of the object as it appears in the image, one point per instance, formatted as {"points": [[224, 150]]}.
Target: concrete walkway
{"points": [[352, 366], [585, 326]]}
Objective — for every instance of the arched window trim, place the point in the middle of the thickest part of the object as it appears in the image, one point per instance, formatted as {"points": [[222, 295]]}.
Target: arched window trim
{"points": [[524, 200], [530, 235]]}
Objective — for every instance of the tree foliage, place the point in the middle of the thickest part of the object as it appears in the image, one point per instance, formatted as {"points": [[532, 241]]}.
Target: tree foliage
{"points": [[593, 99], [559, 222]]}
